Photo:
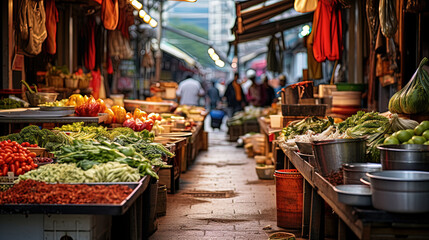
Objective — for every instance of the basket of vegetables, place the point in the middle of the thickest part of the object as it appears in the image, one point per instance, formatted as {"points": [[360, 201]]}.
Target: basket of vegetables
{"points": [[56, 75]]}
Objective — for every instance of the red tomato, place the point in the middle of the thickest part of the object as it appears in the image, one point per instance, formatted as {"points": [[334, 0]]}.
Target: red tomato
{"points": [[4, 171], [32, 154], [19, 171]]}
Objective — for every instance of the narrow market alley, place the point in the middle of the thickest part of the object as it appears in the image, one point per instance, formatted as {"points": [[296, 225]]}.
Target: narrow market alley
{"points": [[220, 197]]}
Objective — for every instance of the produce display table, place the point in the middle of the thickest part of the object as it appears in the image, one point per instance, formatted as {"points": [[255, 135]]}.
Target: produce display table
{"points": [[269, 134], [365, 223], [64, 120], [85, 221], [173, 175]]}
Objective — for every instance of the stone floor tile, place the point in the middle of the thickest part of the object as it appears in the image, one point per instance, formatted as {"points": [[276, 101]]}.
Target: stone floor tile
{"points": [[241, 216]]}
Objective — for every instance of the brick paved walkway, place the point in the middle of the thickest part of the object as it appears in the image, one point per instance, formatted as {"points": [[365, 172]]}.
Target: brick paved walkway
{"points": [[246, 207]]}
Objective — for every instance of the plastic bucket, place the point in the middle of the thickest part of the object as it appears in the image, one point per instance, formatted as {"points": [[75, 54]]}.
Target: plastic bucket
{"points": [[289, 198]]}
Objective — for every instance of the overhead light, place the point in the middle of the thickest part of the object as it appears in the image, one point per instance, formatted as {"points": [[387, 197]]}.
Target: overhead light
{"points": [[136, 4], [153, 23], [211, 51], [234, 65], [215, 57], [146, 18], [305, 30], [142, 13], [220, 63]]}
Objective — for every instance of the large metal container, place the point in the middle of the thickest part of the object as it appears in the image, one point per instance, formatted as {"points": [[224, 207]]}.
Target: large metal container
{"points": [[354, 195], [400, 191], [353, 172], [331, 154], [400, 181], [404, 157]]}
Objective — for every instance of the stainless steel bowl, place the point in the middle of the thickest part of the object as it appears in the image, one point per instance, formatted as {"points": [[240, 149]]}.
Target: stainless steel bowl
{"points": [[354, 195], [400, 181], [401, 202], [404, 157], [331, 154], [305, 148], [400, 191], [353, 172]]}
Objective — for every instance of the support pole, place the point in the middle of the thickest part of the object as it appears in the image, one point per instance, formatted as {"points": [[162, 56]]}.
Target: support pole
{"points": [[158, 54]]}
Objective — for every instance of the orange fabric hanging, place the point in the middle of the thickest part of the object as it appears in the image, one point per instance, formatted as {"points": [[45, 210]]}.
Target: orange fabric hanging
{"points": [[328, 35], [110, 14], [51, 26]]}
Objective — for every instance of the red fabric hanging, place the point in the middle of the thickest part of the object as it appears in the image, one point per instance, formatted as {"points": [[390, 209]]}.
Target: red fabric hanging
{"points": [[51, 26], [95, 83], [90, 51], [328, 35]]}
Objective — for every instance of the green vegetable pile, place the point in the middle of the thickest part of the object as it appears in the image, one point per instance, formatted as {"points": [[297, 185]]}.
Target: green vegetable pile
{"points": [[34, 135], [70, 173], [7, 103], [86, 154], [315, 124], [414, 97]]}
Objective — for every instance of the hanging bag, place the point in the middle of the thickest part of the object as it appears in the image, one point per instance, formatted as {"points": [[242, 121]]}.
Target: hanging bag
{"points": [[110, 14], [32, 29], [304, 6]]}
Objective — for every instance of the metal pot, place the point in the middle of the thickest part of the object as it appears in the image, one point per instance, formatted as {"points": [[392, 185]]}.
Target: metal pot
{"points": [[354, 195], [331, 154], [400, 181], [353, 172], [400, 191], [305, 148], [404, 157], [401, 202]]}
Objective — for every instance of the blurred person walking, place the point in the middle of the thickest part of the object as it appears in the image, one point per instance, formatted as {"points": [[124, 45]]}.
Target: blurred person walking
{"points": [[254, 93], [213, 95], [268, 95], [189, 91], [234, 96]]}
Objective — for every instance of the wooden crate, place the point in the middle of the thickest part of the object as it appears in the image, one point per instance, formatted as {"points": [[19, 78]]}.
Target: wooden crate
{"points": [[304, 109], [235, 131], [251, 126]]}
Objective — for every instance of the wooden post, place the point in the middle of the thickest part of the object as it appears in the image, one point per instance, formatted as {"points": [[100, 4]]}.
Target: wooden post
{"points": [[306, 209], [317, 223]]}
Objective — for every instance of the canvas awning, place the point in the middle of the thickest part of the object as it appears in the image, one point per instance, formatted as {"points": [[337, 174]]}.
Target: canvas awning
{"points": [[271, 28], [251, 15], [248, 17], [176, 52]]}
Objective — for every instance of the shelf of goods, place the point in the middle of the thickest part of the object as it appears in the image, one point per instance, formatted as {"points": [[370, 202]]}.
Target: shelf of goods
{"points": [[89, 209], [364, 222]]}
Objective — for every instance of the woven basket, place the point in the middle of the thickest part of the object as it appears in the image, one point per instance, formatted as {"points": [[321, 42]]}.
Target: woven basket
{"points": [[55, 81], [72, 83], [83, 83]]}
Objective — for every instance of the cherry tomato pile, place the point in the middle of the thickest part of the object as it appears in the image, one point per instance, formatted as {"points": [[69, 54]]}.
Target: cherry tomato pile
{"points": [[27, 144], [15, 158]]}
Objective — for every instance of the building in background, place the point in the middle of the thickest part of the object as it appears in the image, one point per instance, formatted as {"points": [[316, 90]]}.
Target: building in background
{"points": [[221, 20]]}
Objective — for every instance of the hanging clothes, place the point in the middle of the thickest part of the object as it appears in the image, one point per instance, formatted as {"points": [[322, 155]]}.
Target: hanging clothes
{"points": [[110, 14], [274, 56], [328, 42], [90, 50], [314, 67], [51, 26], [373, 23]]}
